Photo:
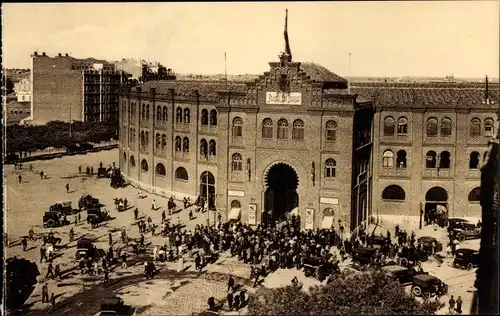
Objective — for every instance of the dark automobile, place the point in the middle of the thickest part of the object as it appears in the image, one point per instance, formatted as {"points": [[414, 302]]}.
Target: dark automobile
{"points": [[466, 258], [410, 256], [63, 207], [378, 241], [88, 201], [457, 223], [467, 232], [54, 219], [363, 256], [316, 267], [399, 273], [79, 148], [84, 248], [427, 242], [111, 306], [117, 180], [426, 285], [102, 173], [95, 215]]}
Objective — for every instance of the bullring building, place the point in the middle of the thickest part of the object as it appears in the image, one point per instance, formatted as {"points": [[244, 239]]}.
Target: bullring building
{"points": [[297, 139]]}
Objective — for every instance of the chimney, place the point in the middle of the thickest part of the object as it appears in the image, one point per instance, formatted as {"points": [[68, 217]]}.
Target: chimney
{"points": [[43, 54], [36, 53], [67, 55], [486, 92], [59, 54]]}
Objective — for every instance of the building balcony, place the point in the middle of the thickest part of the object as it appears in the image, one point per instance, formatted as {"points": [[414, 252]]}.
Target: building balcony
{"points": [[474, 173], [179, 155], [436, 173], [144, 123], [144, 148], [395, 171], [208, 129], [237, 141], [207, 158], [161, 124], [160, 152]]}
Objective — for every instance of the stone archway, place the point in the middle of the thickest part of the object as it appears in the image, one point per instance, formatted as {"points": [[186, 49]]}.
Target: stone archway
{"points": [[436, 202], [281, 195], [207, 188]]}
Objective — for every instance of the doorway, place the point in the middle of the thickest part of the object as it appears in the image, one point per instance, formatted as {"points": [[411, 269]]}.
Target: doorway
{"points": [[281, 195], [207, 189], [436, 205]]}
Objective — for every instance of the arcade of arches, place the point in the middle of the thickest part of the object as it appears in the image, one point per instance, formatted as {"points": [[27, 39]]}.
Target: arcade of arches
{"points": [[280, 196]]}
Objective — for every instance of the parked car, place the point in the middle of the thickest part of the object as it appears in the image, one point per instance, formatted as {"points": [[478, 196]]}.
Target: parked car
{"points": [[364, 256], [64, 207], [378, 241], [316, 267], [467, 232], [426, 285], [401, 274], [54, 219], [111, 306], [410, 256], [84, 248], [457, 223], [427, 241], [466, 258]]}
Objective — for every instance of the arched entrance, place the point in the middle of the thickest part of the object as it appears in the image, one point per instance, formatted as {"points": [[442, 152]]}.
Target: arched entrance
{"points": [[281, 195], [436, 203], [207, 188]]}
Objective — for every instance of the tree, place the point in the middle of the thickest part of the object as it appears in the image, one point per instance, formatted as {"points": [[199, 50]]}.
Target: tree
{"points": [[367, 293]]}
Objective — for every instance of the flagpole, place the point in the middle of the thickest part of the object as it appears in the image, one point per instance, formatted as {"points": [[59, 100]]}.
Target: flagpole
{"points": [[225, 67], [349, 79]]}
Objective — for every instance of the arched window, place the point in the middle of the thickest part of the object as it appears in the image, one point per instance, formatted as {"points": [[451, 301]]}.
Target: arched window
{"points": [[181, 174], [328, 212], [143, 139], [402, 126], [158, 113], [144, 165], [237, 127], [147, 112], [185, 145], [235, 204], [389, 126], [146, 139], [178, 144], [488, 127], [430, 161], [331, 131], [124, 157], [203, 147], [165, 114], [282, 129], [204, 117], [158, 142], [163, 142], [187, 117], [213, 118], [401, 159], [394, 192], [475, 195], [160, 170], [212, 148], [444, 160], [237, 162], [432, 127], [388, 159], [330, 168], [474, 160], [143, 113], [475, 127], [267, 128], [132, 161], [178, 115], [446, 127], [298, 130]]}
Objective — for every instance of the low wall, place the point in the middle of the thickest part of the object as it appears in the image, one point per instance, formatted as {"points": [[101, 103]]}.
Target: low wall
{"points": [[177, 195]]}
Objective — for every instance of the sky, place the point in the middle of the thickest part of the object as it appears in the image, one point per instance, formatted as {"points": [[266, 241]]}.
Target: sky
{"points": [[384, 38]]}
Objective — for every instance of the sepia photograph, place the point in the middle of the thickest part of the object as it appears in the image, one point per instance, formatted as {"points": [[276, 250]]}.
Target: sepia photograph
{"points": [[251, 158]]}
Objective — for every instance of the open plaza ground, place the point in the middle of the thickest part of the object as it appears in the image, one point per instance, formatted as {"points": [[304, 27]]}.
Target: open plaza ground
{"points": [[170, 292]]}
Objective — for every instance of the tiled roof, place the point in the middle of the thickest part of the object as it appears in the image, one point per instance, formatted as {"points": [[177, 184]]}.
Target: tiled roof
{"points": [[416, 95], [206, 89], [320, 74]]}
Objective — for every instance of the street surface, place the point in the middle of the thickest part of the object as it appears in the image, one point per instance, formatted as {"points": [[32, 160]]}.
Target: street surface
{"points": [[170, 292]]}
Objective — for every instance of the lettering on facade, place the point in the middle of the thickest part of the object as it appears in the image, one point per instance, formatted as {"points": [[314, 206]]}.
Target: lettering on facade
{"points": [[235, 193], [252, 214], [284, 98], [309, 218], [327, 200]]}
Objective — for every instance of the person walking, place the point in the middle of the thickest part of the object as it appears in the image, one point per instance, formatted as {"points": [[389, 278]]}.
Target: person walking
{"points": [[53, 301], [50, 271], [24, 242], [31, 234], [42, 253], [67, 187], [45, 293], [163, 216], [153, 205], [106, 278], [20, 178], [459, 305], [230, 283], [110, 237], [230, 299], [79, 169], [136, 213], [41, 175], [451, 304]]}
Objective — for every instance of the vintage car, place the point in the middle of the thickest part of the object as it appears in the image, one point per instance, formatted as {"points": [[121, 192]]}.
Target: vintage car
{"points": [[111, 306], [54, 219], [410, 256], [84, 248], [102, 172], [427, 241], [378, 241], [64, 207], [317, 268], [457, 223], [87, 201], [466, 258], [426, 285], [401, 274], [96, 215], [364, 256], [467, 232]]}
